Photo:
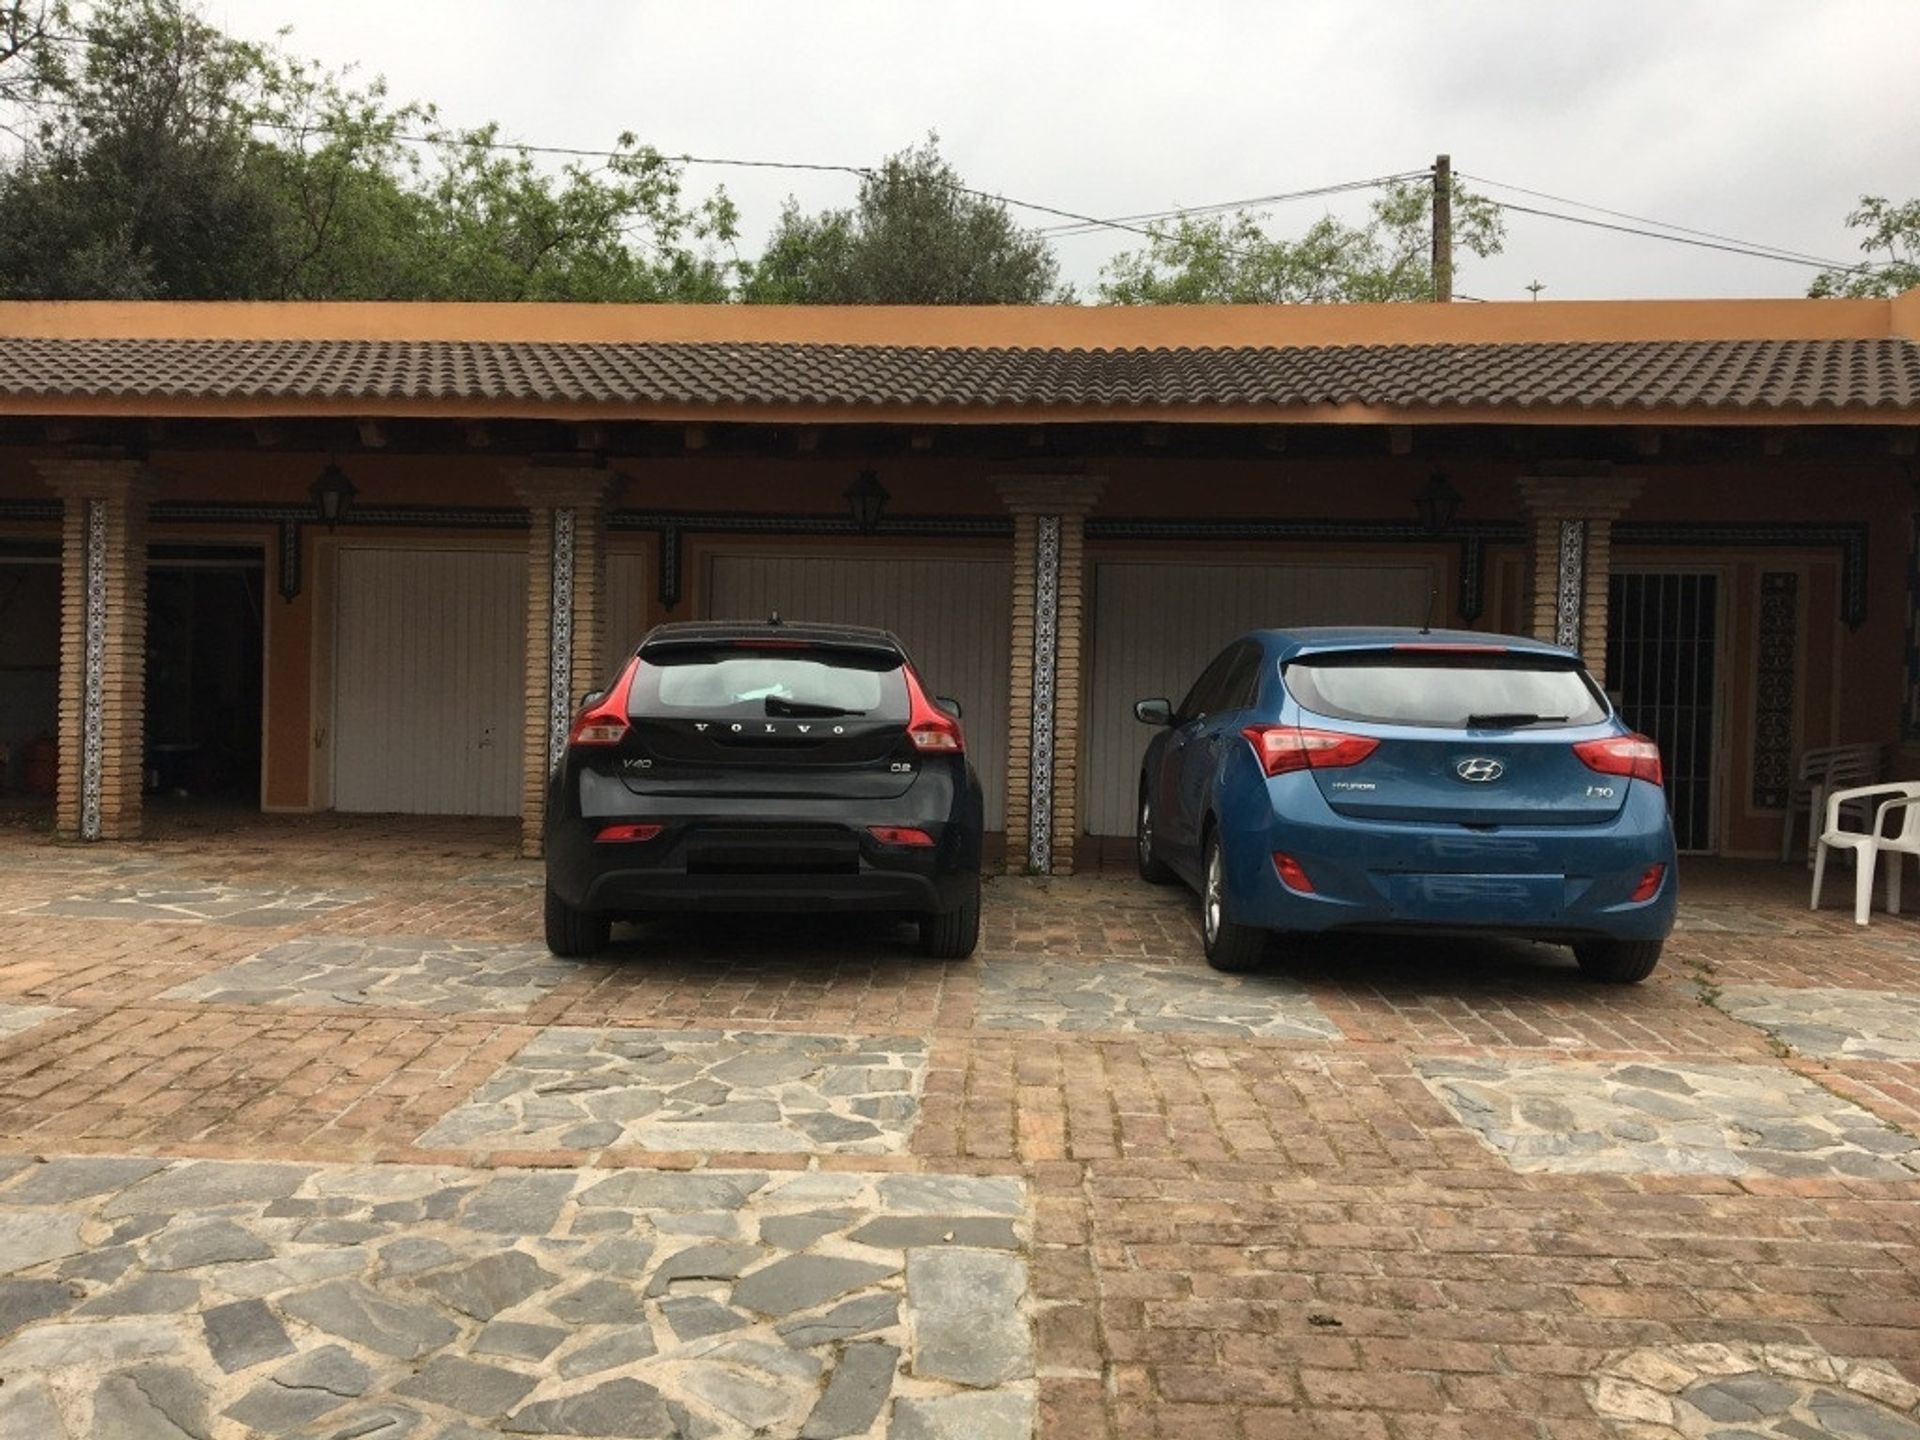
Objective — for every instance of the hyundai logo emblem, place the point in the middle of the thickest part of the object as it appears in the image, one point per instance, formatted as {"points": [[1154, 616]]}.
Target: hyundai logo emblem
{"points": [[1480, 769]]}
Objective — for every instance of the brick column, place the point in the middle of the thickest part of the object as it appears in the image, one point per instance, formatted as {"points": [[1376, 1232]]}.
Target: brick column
{"points": [[1571, 561], [566, 622], [103, 644], [1043, 740]]}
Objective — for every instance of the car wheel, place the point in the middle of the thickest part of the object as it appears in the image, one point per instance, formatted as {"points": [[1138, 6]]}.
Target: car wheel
{"points": [[572, 933], [1153, 870], [1228, 946], [953, 934], [1618, 962]]}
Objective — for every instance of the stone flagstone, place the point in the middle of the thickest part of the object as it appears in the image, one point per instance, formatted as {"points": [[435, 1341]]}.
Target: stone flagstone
{"points": [[399, 972], [1117, 996], [15, 1018], [1832, 1024], [1739, 1390], [196, 903], [737, 1091], [849, 1305], [1626, 1118]]}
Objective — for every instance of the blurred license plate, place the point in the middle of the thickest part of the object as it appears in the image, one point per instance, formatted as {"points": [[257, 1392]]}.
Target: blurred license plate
{"points": [[1468, 899]]}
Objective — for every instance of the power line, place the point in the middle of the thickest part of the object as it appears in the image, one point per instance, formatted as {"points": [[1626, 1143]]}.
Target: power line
{"points": [[1674, 239], [1663, 224], [1248, 203]]}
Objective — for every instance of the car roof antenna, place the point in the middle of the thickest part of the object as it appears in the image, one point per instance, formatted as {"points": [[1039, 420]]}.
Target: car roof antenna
{"points": [[773, 618], [1426, 625]]}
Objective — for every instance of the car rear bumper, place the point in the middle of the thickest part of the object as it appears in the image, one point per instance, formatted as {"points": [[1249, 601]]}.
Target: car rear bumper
{"points": [[764, 856], [1563, 882]]}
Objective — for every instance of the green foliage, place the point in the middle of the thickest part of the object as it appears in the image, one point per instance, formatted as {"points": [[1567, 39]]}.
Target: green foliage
{"points": [[1231, 260], [915, 236], [166, 159], [1892, 243]]}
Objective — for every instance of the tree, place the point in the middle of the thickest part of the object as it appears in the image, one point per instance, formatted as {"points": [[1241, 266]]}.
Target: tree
{"points": [[170, 160], [1892, 231], [916, 235], [1231, 260]]}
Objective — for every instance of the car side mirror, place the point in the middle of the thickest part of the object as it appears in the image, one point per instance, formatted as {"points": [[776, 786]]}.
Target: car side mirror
{"points": [[592, 697], [1153, 712], [950, 705]]}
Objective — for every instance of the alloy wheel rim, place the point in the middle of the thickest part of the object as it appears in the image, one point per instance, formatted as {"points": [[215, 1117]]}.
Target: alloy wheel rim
{"points": [[1210, 908], [1146, 832]]}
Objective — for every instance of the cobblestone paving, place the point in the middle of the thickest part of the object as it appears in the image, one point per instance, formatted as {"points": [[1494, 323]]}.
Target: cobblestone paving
{"points": [[194, 903], [1668, 1119], [1039, 995], [423, 973], [1826, 1023], [697, 1090], [379, 1204], [15, 1018], [1741, 1391], [208, 1298]]}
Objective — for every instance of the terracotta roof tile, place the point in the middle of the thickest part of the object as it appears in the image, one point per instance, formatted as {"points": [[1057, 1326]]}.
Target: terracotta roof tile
{"points": [[1744, 375]]}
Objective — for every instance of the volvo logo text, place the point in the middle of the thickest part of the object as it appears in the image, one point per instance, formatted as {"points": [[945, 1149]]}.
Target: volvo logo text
{"points": [[1480, 769]]}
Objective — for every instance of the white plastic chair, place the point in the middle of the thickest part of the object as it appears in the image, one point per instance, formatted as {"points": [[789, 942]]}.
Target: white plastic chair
{"points": [[1903, 799], [1823, 771]]}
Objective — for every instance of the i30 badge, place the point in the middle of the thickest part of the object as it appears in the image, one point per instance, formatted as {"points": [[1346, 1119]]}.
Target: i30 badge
{"points": [[1480, 769]]}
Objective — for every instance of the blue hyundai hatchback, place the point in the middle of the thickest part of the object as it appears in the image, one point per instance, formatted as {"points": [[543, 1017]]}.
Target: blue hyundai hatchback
{"points": [[1388, 780]]}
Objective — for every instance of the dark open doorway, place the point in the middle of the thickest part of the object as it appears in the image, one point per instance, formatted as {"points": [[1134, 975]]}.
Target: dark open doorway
{"points": [[205, 664], [29, 680]]}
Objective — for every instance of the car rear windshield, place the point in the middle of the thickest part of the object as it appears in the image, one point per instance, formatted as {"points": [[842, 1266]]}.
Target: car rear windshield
{"points": [[1493, 691], [740, 679]]}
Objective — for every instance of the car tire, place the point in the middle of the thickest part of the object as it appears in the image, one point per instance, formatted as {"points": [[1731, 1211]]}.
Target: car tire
{"points": [[574, 934], [1618, 962], [1153, 869], [1229, 947], [953, 934]]}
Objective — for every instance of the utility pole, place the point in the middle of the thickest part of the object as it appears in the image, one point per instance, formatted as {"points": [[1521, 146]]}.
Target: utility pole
{"points": [[1443, 228]]}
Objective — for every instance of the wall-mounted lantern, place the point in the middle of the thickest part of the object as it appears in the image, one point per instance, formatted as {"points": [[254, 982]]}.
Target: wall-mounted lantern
{"points": [[332, 495], [1437, 503], [866, 498]]}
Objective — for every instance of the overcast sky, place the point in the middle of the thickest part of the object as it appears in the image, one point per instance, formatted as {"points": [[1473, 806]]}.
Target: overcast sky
{"points": [[1755, 119]]}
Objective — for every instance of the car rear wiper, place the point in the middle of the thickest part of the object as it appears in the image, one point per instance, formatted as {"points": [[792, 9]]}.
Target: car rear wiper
{"points": [[1511, 719], [776, 705]]}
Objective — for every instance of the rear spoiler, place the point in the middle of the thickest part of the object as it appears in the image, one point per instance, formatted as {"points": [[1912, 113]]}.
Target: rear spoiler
{"points": [[784, 639]]}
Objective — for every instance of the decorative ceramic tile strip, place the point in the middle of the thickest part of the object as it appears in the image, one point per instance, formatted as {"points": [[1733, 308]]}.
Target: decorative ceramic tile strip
{"points": [[94, 672], [1046, 656], [1570, 584], [560, 635], [1775, 672]]}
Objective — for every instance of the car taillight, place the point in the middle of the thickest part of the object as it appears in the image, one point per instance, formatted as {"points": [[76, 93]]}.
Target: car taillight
{"points": [[1282, 748], [901, 835], [605, 723], [627, 834], [1649, 885], [928, 726], [1634, 756]]}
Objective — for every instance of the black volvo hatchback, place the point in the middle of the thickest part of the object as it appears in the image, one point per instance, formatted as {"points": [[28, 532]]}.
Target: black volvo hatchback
{"points": [[764, 766]]}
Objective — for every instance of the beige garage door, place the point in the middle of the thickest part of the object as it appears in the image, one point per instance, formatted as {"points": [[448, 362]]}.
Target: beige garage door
{"points": [[429, 670], [1157, 625], [626, 605], [953, 615]]}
